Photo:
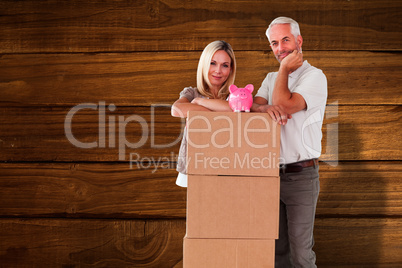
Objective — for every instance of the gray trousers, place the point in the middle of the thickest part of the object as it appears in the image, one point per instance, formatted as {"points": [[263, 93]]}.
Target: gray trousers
{"points": [[299, 194]]}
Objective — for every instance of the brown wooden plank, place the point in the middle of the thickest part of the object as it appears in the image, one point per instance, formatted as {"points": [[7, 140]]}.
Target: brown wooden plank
{"points": [[360, 188], [362, 242], [357, 133], [152, 78], [38, 134], [361, 133], [94, 26], [358, 242], [114, 190], [91, 243], [353, 77], [90, 191]]}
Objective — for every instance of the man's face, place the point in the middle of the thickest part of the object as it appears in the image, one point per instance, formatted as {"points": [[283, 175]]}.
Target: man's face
{"points": [[283, 42]]}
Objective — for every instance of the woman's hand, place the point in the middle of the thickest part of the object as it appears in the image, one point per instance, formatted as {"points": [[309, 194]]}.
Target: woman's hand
{"points": [[197, 101], [215, 105]]}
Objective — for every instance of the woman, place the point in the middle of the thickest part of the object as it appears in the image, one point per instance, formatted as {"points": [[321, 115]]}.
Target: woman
{"points": [[216, 72]]}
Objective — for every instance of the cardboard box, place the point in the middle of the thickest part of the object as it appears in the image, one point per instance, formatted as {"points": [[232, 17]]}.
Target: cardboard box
{"points": [[232, 207], [246, 144], [228, 253]]}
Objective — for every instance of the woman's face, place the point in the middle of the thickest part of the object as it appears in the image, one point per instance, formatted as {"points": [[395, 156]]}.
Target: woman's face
{"points": [[219, 69]]}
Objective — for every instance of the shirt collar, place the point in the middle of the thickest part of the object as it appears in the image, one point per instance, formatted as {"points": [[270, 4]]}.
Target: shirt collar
{"points": [[300, 70]]}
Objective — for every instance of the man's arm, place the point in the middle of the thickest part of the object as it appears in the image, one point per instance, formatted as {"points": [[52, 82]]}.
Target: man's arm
{"points": [[276, 112], [281, 96]]}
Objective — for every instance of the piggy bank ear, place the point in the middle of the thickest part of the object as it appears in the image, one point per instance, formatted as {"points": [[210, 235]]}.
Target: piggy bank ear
{"points": [[232, 88], [249, 88]]}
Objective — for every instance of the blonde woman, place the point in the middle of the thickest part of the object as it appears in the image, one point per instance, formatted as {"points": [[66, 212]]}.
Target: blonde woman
{"points": [[216, 72]]}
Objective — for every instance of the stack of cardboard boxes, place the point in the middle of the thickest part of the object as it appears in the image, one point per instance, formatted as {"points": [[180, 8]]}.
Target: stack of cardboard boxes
{"points": [[233, 190]]}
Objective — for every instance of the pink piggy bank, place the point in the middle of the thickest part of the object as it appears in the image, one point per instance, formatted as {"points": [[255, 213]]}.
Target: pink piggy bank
{"points": [[240, 99]]}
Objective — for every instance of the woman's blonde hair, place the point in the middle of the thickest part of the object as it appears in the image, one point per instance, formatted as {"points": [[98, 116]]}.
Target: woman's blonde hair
{"points": [[203, 83]]}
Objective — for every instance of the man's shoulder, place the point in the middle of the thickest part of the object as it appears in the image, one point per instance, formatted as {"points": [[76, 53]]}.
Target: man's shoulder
{"points": [[310, 72], [308, 68], [271, 75]]}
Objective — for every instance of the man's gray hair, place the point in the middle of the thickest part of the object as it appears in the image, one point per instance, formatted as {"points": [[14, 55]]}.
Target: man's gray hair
{"points": [[294, 26]]}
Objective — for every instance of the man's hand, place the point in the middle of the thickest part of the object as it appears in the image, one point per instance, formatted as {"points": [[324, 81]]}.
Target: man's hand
{"points": [[281, 96], [276, 112], [291, 62]]}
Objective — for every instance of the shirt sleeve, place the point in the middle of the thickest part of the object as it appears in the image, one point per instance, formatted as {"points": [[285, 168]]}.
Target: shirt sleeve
{"points": [[263, 91], [313, 88], [189, 93]]}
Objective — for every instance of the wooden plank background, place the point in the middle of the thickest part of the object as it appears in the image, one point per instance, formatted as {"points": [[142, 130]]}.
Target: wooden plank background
{"points": [[64, 206]]}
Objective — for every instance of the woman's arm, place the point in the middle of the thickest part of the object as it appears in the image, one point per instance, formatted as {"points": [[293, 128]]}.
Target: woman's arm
{"points": [[216, 105], [182, 106]]}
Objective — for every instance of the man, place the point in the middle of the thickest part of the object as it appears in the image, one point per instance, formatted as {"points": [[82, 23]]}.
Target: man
{"points": [[295, 97]]}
